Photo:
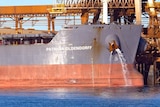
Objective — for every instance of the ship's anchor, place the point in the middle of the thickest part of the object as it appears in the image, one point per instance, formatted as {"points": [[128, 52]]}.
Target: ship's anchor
{"points": [[112, 46]]}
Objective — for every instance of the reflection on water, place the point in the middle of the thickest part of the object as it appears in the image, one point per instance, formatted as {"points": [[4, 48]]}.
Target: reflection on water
{"points": [[81, 97]]}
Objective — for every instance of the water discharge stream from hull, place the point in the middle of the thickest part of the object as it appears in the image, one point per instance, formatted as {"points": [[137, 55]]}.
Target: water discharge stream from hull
{"points": [[110, 66], [124, 66]]}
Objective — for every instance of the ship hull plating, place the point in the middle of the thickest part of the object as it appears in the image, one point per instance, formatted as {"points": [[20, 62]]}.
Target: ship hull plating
{"points": [[86, 75], [76, 56]]}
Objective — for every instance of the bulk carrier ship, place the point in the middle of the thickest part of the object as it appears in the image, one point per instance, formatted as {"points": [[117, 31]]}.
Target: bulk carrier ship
{"points": [[89, 55]]}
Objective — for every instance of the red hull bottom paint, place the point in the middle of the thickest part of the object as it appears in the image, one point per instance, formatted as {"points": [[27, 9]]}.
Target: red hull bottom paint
{"points": [[84, 75]]}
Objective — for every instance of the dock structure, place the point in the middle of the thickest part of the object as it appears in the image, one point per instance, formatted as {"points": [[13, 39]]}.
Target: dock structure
{"points": [[21, 14], [148, 62]]}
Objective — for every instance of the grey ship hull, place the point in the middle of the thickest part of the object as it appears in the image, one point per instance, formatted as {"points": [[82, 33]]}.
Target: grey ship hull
{"points": [[76, 56]]}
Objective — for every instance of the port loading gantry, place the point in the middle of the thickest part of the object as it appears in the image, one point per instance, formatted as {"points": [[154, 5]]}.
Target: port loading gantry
{"points": [[21, 14], [152, 55]]}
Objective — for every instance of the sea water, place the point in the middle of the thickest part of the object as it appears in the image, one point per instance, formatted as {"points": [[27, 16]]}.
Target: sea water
{"points": [[81, 97]]}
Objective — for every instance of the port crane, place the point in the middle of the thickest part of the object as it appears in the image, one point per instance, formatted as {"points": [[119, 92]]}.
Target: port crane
{"points": [[114, 8], [153, 33], [19, 15], [150, 59]]}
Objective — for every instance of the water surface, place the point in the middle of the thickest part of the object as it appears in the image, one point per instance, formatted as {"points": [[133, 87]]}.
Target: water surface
{"points": [[81, 97]]}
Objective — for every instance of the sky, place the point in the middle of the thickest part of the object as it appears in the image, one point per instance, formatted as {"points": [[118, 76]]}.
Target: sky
{"points": [[27, 2], [24, 2]]}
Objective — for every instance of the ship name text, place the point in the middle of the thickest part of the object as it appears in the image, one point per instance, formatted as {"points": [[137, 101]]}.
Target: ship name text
{"points": [[69, 48]]}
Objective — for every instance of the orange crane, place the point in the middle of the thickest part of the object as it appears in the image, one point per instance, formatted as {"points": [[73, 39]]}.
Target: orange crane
{"points": [[21, 14]]}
